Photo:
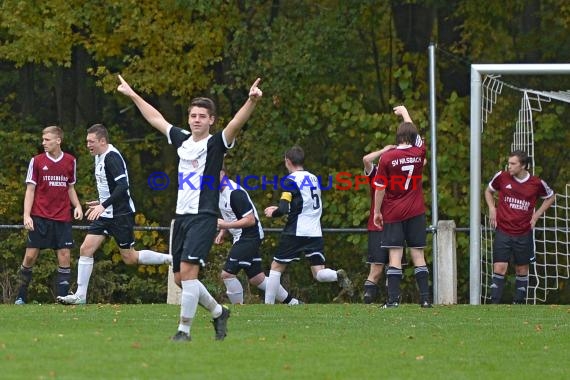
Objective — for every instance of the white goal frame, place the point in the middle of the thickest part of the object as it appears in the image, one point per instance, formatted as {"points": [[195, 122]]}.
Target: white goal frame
{"points": [[477, 70]]}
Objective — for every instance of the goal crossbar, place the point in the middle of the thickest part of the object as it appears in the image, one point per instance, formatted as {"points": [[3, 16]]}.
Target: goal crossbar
{"points": [[477, 70]]}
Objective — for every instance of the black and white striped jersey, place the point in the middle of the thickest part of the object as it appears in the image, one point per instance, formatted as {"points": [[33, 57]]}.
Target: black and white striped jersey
{"points": [[302, 190], [199, 168], [113, 183], [235, 204]]}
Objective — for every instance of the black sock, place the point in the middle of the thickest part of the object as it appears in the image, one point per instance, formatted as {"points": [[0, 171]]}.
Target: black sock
{"points": [[394, 276], [287, 299], [63, 277], [422, 279], [521, 284], [370, 291], [25, 279], [497, 288]]}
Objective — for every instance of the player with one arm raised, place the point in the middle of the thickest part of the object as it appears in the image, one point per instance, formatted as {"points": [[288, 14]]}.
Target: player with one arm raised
{"points": [[399, 208]]}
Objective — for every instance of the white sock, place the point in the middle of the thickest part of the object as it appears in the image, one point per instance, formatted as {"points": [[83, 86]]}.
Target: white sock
{"points": [[148, 257], [263, 284], [234, 290], [272, 287], [84, 269], [208, 301], [327, 275], [281, 293], [188, 304]]}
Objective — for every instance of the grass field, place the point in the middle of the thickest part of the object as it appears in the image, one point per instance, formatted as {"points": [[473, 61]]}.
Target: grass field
{"points": [[349, 341]]}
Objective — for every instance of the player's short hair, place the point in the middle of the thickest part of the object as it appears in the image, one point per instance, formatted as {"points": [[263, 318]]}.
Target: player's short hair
{"points": [[407, 133], [296, 155], [99, 131], [206, 103], [523, 157], [57, 131]]}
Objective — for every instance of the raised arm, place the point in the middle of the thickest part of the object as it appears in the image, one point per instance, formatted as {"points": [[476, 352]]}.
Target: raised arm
{"points": [[150, 113], [241, 117], [402, 111]]}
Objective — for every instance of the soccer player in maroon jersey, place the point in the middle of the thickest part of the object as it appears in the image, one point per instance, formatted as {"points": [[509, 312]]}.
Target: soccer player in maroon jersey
{"points": [[514, 218], [399, 208], [50, 195]]}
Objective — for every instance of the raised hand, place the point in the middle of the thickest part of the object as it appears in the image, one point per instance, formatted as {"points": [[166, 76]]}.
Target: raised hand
{"points": [[124, 87], [402, 111], [255, 92]]}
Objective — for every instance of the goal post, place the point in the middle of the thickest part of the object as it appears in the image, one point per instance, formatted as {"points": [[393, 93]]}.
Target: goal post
{"points": [[477, 70]]}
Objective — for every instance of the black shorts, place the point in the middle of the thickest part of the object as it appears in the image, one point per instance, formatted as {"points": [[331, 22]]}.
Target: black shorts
{"points": [[521, 248], [376, 253], [291, 248], [49, 233], [121, 228], [192, 238], [244, 254], [408, 233]]}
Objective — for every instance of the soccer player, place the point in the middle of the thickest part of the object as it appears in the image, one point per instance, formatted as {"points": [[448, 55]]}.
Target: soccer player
{"points": [[399, 208], [112, 214], [50, 195], [377, 255], [240, 218], [514, 218], [201, 156], [302, 235]]}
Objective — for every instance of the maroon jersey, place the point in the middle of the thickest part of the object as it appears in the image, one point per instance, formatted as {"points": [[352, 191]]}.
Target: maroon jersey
{"points": [[400, 175], [52, 178], [371, 226], [517, 198]]}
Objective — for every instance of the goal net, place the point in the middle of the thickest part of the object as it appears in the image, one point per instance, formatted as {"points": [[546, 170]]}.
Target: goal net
{"points": [[551, 234]]}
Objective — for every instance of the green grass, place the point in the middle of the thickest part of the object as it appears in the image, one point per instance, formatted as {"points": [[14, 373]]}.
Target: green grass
{"points": [[332, 341]]}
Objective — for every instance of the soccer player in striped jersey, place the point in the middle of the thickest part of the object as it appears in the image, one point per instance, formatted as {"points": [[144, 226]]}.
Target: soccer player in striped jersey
{"points": [[112, 214], [240, 219], [201, 156], [399, 208], [514, 218], [302, 235], [49, 205]]}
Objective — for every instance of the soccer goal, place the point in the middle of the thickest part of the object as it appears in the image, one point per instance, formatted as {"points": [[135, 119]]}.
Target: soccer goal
{"points": [[551, 232]]}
